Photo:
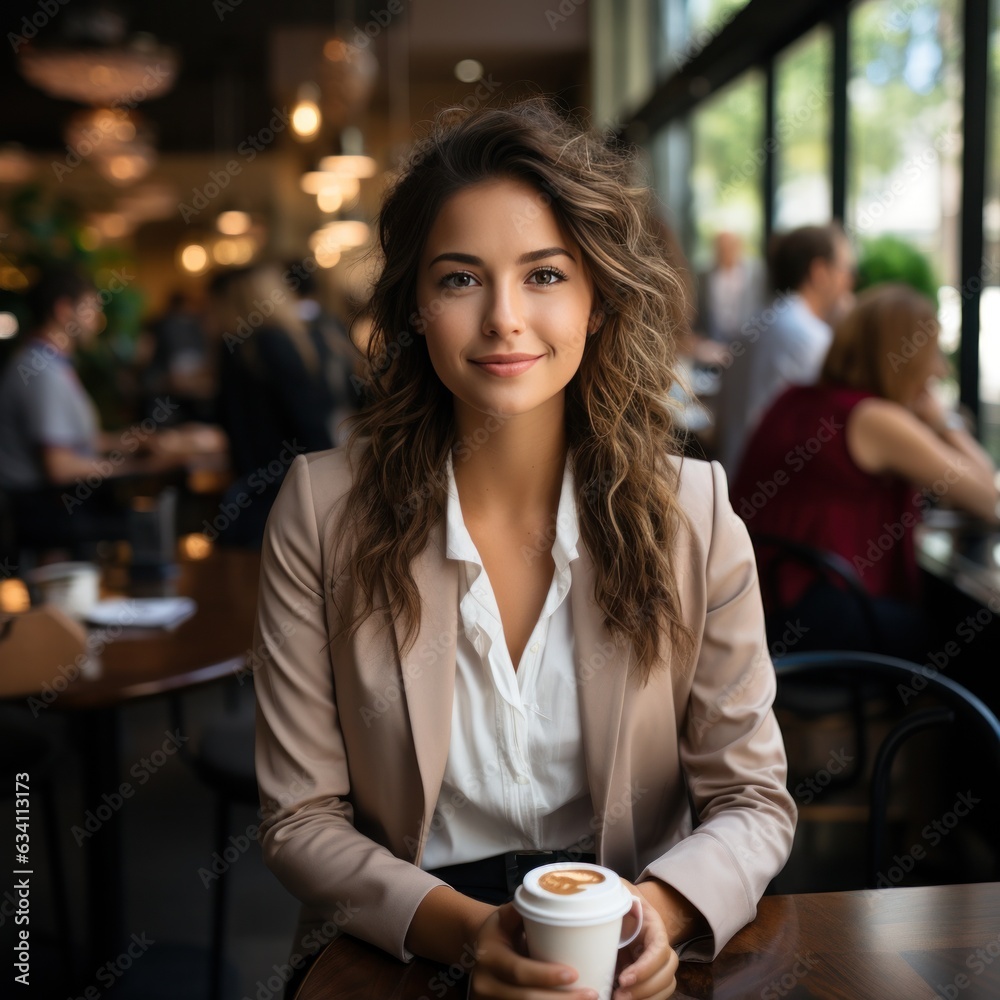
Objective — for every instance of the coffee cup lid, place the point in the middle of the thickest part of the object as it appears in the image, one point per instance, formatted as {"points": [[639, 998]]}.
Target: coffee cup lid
{"points": [[572, 894]]}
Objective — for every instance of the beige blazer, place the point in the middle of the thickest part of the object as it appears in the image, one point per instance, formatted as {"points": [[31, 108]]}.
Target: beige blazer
{"points": [[352, 741]]}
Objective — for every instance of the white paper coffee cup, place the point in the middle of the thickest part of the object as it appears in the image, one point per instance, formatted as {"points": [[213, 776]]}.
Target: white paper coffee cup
{"points": [[73, 587], [573, 915]]}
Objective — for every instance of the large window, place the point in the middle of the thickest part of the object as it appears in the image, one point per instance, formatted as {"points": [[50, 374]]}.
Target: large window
{"points": [[709, 13], [989, 338], [905, 126], [803, 95], [727, 142], [889, 72], [685, 27]]}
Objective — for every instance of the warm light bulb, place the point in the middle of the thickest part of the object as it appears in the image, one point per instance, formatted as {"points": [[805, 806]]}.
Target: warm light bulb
{"points": [[349, 166], [233, 223], [194, 258], [330, 199], [306, 119], [8, 325], [224, 252], [327, 256], [469, 70]]}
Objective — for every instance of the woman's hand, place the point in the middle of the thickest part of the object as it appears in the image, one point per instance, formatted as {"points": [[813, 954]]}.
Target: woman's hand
{"points": [[646, 967], [503, 969], [928, 407]]}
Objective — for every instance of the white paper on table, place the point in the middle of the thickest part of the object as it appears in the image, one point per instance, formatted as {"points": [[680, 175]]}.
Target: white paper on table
{"points": [[141, 612]]}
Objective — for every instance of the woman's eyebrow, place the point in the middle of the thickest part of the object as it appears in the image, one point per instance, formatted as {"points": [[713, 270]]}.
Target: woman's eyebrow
{"points": [[525, 258]]}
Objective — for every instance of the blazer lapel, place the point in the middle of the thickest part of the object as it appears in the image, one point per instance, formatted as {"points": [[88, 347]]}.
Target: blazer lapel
{"points": [[601, 672], [428, 669]]}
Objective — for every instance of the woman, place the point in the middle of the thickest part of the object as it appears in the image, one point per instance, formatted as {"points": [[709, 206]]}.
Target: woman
{"points": [[847, 466], [505, 617], [273, 400]]}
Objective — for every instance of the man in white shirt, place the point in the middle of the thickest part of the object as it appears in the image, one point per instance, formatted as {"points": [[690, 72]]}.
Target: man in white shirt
{"points": [[731, 292], [812, 270]]}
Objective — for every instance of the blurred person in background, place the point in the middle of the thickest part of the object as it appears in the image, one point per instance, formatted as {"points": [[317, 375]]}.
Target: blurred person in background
{"points": [[273, 398], [812, 272], [56, 464], [179, 363], [333, 345], [848, 465], [731, 292]]}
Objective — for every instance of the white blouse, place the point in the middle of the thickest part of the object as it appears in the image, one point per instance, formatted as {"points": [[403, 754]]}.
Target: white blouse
{"points": [[515, 776]]}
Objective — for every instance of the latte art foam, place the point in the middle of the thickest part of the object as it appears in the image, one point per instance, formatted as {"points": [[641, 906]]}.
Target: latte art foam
{"points": [[568, 882]]}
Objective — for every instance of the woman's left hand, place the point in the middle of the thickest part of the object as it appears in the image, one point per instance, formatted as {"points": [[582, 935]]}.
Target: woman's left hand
{"points": [[647, 966]]}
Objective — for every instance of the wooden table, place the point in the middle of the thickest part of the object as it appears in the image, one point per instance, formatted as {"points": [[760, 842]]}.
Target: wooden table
{"points": [[874, 944], [210, 645]]}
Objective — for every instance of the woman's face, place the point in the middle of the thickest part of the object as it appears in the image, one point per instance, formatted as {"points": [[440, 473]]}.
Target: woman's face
{"points": [[500, 279]]}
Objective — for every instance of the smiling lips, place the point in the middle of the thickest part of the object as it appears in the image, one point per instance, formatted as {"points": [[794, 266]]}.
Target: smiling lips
{"points": [[506, 365]]}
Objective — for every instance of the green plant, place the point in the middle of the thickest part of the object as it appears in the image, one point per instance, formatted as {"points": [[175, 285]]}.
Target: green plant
{"points": [[888, 258], [41, 229]]}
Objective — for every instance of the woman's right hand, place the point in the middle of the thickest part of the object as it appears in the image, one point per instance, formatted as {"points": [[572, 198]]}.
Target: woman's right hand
{"points": [[503, 969], [928, 407]]}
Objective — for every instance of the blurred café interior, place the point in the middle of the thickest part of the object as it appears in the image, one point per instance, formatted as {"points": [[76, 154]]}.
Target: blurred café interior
{"points": [[179, 180]]}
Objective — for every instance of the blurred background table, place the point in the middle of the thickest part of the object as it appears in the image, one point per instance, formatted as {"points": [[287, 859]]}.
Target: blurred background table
{"points": [[873, 944], [129, 664], [963, 552]]}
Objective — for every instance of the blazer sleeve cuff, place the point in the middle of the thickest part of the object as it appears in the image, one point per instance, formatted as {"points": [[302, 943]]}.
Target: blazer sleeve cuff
{"points": [[702, 870], [412, 904]]}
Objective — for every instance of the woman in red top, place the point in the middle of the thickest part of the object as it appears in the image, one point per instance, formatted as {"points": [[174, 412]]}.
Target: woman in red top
{"points": [[848, 465]]}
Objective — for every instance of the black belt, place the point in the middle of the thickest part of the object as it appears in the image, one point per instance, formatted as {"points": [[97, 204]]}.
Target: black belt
{"points": [[493, 880]]}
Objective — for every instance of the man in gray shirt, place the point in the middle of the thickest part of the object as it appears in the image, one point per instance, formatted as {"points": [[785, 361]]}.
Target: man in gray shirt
{"points": [[51, 445], [812, 271]]}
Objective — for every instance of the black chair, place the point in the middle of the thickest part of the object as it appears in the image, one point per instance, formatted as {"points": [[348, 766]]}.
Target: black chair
{"points": [[827, 567], [861, 674], [223, 758], [831, 568]]}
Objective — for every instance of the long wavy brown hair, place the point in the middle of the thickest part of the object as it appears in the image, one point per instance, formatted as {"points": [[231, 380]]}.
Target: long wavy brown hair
{"points": [[620, 428]]}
